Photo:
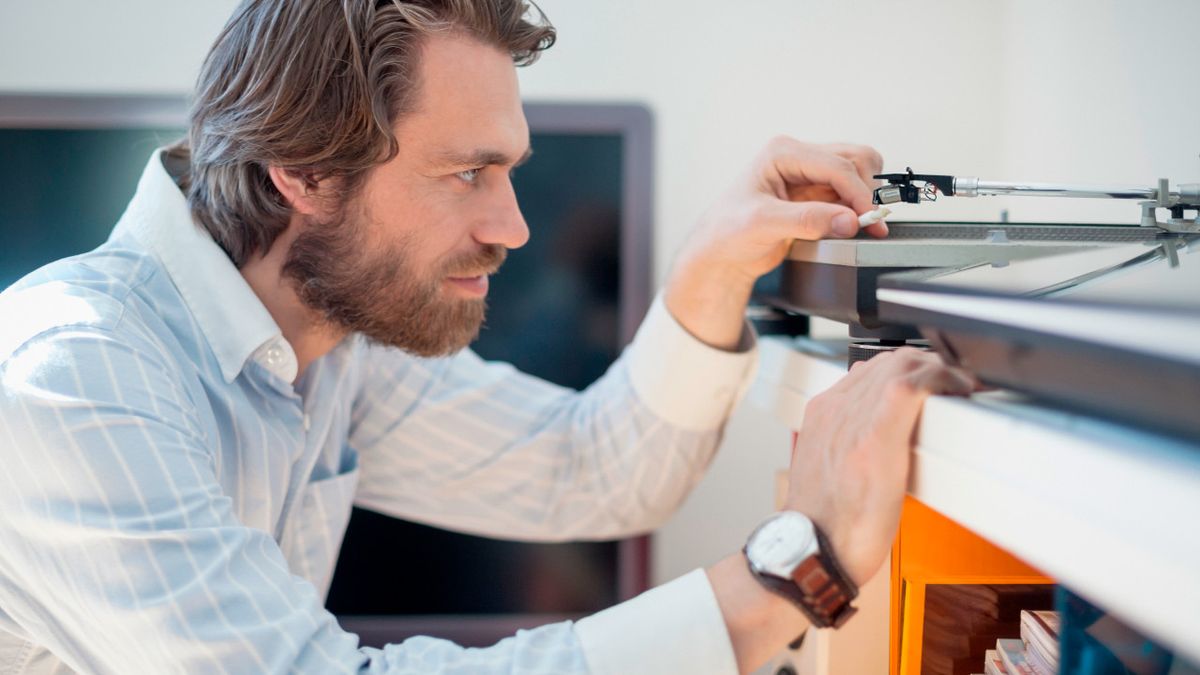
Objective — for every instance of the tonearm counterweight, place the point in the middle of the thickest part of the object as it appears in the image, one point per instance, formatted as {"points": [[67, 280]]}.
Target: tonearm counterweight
{"points": [[915, 188]]}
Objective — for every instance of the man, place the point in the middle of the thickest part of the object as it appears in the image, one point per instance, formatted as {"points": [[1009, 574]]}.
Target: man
{"points": [[276, 329]]}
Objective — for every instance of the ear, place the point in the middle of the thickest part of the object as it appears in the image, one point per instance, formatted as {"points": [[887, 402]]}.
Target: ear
{"points": [[299, 189]]}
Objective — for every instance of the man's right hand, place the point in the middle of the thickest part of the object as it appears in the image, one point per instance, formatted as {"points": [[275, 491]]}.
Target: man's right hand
{"points": [[851, 461]]}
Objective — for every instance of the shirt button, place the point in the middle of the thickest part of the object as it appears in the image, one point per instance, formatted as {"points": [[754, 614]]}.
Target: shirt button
{"points": [[307, 422], [274, 356]]}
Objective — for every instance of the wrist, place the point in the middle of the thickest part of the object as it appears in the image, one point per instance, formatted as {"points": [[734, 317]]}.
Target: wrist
{"points": [[856, 559], [759, 622], [790, 555], [709, 302], [840, 543]]}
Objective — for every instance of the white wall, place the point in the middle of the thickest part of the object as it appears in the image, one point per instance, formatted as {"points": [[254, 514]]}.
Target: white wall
{"points": [[1100, 91], [1081, 90], [115, 46], [721, 83]]}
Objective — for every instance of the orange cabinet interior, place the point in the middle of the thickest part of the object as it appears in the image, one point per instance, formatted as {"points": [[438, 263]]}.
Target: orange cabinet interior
{"points": [[932, 549]]}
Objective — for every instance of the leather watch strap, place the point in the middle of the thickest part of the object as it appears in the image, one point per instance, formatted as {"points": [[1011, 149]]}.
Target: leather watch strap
{"points": [[819, 587], [824, 586]]}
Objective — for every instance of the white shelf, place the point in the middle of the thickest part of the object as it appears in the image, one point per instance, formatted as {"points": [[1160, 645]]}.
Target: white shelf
{"points": [[1109, 511]]}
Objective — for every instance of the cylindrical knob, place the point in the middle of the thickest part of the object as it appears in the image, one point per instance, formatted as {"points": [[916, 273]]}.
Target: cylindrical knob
{"points": [[1189, 193], [867, 351], [966, 186]]}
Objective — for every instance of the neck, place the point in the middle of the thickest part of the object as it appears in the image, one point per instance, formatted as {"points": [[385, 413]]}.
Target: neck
{"points": [[309, 337]]}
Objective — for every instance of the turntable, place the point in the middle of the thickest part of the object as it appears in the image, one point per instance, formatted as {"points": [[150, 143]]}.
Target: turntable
{"points": [[838, 279]]}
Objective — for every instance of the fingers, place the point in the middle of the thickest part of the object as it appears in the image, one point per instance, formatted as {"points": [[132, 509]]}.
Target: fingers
{"points": [[866, 160], [834, 172], [808, 220], [936, 378], [797, 163], [914, 373], [869, 163]]}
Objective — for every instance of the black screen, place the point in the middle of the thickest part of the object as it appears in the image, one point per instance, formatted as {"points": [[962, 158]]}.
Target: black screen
{"points": [[62, 190]]}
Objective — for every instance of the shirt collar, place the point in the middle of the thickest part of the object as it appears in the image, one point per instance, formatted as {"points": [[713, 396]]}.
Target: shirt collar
{"points": [[234, 321]]}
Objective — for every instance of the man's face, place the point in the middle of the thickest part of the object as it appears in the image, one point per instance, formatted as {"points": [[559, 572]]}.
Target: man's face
{"points": [[406, 260]]}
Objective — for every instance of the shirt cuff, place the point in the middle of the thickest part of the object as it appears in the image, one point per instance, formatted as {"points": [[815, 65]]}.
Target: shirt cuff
{"points": [[674, 628], [683, 380]]}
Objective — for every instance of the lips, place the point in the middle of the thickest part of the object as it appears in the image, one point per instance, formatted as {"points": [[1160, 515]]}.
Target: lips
{"points": [[476, 285], [469, 274]]}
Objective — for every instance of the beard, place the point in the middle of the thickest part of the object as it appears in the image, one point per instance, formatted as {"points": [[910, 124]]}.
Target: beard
{"points": [[379, 294]]}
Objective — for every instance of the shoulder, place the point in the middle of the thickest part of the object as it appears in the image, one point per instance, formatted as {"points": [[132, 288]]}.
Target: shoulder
{"points": [[89, 294], [82, 352]]}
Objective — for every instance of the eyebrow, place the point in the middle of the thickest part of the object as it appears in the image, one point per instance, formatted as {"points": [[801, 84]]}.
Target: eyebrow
{"points": [[482, 157]]}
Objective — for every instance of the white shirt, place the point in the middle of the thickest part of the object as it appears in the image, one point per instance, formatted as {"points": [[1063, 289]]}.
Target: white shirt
{"points": [[171, 502]]}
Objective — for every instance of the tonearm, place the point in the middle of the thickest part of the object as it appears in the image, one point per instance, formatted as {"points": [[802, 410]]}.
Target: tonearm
{"points": [[915, 188]]}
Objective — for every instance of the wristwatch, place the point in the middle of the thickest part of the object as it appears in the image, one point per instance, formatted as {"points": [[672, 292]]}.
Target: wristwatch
{"points": [[789, 555]]}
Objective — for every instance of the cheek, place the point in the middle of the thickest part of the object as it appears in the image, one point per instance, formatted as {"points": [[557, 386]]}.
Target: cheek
{"points": [[436, 249], [421, 259], [424, 249], [423, 230]]}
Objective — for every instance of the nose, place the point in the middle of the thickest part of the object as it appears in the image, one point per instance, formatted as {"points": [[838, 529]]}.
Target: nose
{"points": [[503, 224]]}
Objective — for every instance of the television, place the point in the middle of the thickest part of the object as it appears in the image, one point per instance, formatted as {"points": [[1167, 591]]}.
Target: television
{"points": [[70, 164]]}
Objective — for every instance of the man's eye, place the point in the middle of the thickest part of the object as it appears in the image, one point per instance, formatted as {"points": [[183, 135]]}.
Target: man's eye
{"points": [[469, 175]]}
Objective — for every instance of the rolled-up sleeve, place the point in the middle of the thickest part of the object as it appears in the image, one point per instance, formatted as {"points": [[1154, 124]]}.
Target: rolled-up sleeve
{"points": [[674, 628]]}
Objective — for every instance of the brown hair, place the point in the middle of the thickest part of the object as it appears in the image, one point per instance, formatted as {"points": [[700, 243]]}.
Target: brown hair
{"points": [[315, 87]]}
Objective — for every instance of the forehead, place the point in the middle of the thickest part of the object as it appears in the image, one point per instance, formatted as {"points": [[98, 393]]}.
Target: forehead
{"points": [[468, 100]]}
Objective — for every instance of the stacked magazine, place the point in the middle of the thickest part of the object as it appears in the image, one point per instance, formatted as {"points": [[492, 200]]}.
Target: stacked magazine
{"points": [[962, 621], [1035, 653]]}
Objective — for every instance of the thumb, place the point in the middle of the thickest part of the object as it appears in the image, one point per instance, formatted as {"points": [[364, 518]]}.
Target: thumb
{"points": [[813, 220]]}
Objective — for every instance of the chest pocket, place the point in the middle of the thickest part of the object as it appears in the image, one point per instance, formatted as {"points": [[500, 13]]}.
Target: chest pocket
{"points": [[314, 532]]}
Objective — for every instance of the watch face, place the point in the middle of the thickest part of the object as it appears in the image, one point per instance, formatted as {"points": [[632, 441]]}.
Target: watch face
{"points": [[780, 544]]}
